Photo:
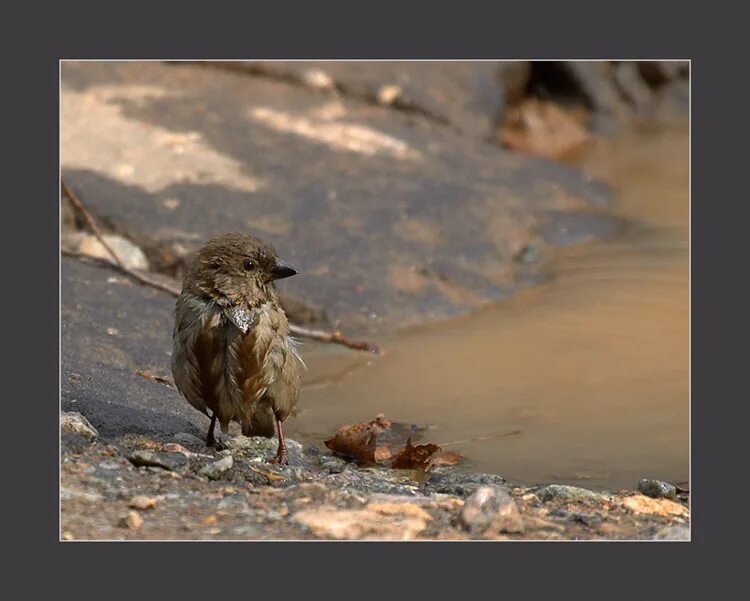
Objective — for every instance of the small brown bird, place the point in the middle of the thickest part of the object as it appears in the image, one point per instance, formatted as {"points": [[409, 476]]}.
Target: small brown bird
{"points": [[232, 353]]}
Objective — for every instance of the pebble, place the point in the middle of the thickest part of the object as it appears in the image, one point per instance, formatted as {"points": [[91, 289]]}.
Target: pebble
{"points": [[569, 493], [388, 94], [167, 461], [657, 489], [132, 520], [490, 506], [142, 502], [72, 421], [215, 470]]}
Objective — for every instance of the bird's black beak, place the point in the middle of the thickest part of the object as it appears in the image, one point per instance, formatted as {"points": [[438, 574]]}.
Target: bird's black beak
{"points": [[281, 270]]}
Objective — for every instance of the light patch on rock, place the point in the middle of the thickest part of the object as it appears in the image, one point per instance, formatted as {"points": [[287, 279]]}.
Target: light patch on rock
{"points": [[661, 507], [124, 148], [351, 524], [351, 137]]}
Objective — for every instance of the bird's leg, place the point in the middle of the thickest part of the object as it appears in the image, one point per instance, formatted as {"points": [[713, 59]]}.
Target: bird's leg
{"points": [[281, 455], [210, 440]]}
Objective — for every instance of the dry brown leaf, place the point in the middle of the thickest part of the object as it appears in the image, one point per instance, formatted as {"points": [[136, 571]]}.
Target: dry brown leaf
{"points": [[359, 441], [415, 457]]}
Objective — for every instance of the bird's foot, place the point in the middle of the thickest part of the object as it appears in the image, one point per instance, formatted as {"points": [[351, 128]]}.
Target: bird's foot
{"points": [[281, 458]]}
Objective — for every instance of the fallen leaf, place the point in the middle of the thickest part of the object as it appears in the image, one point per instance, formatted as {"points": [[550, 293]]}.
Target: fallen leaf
{"points": [[415, 457], [359, 440]]}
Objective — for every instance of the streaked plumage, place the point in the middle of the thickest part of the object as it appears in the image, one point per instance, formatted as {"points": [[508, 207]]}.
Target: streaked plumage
{"points": [[233, 358]]}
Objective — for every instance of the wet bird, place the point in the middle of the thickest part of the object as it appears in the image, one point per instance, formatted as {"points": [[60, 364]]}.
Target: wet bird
{"points": [[233, 358]]}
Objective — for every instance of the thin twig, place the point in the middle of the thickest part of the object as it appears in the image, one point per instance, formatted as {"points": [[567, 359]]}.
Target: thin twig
{"points": [[334, 337], [143, 279], [296, 330], [91, 221]]}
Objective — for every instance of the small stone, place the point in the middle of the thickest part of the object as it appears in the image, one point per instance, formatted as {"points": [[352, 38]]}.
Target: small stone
{"points": [[673, 533], [132, 520], [215, 470], [657, 489], [67, 535], [318, 79], [388, 94], [72, 421], [569, 493], [167, 461], [490, 506], [210, 520], [660, 507], [142, 502], [130, 255]]}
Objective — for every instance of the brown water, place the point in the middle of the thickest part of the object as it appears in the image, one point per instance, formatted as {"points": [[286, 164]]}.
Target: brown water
{"points": [[582, 380]]}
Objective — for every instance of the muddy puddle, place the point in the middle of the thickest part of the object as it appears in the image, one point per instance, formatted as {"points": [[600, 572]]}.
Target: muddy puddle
{"points": [[581, 380]]}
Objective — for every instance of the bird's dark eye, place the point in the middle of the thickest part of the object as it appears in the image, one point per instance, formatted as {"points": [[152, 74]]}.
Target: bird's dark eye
{"points": [[248, 265]]}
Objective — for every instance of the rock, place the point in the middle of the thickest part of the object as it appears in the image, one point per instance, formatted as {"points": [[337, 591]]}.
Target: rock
{"points": [[142, 502], [72, 421], [329, 185], [333, 464], [673, 533], [657, 489], [399, 509], [189, 440], [67, 535], [569, 493], [130, 255], [260, 447], [469, 96], [388, 94], [490, 506], [98, 370], [215, 470], [132, 520], [629, 80], [67, 494], [168, 461], [660, 507], [368, 523], [460, 484]]}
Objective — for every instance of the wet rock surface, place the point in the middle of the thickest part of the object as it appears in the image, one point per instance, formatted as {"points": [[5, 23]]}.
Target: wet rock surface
{"points": [[363, 199]]}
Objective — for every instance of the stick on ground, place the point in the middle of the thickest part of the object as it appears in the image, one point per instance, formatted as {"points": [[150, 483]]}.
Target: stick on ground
{"points": [[296, 330]]}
